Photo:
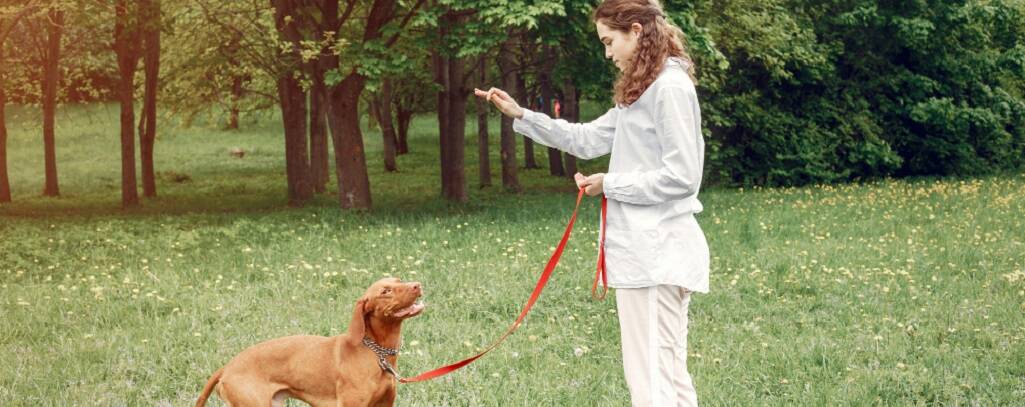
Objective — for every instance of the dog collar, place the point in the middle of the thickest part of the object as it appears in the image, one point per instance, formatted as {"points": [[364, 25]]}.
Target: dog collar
{"points": [[381, 352]]}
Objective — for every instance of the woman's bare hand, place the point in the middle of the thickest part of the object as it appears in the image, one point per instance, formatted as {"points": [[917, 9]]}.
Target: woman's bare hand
{"points": [[505, 103], [593, 184]]}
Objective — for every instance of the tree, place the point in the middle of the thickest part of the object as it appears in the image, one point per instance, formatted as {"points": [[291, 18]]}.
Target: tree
{"points": [[935, 87], [126, 31], [507, 67], [228, 69], [381, 105], [570, 112], [54, 23], [258, 56], [287, 19], [451, 76], [547, 65], [42, 44], [525, 99], [319, 168], [8, 19], [483, 154], [150, 27], [315, 68], [467, 29], [413, 93], [346, 83]]}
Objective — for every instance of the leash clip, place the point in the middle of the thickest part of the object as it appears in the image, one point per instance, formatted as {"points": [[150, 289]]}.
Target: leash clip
{"points": [[381, 352]]}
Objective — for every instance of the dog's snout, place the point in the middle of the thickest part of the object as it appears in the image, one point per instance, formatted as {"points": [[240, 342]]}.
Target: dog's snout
{"points": [[416, 288]]}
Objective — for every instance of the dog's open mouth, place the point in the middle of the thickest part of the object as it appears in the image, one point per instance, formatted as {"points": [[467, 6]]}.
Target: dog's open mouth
{"points": [[410, 311]]}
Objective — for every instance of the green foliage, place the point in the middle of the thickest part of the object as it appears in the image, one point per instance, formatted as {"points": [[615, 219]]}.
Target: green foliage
{"points": [[849, 90], [199, 67], [87, 69]]}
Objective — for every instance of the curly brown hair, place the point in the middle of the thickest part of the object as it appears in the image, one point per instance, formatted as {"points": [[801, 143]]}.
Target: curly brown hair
{"points": [[659, 40]]}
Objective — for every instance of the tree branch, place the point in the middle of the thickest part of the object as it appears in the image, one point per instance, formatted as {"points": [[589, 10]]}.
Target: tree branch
{"points": [[351, 4], [14, 21], [255, 58], [405, 20]]}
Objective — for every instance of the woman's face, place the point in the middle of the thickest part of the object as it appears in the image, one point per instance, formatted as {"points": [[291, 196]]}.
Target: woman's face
{"points": [[619, 46]]}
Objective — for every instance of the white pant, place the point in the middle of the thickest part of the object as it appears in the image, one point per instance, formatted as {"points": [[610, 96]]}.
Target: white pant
{"points": [[653, 325]]}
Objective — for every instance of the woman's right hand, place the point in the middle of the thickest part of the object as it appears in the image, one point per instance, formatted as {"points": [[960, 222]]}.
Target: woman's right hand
{"points": [[505, 103]]}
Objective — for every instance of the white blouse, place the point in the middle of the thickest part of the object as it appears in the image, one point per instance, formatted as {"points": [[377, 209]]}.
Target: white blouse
{"points": [[652, 237]]}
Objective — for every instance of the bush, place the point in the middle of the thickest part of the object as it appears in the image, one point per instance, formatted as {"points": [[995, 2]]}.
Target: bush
{"points": [[797, 93]]}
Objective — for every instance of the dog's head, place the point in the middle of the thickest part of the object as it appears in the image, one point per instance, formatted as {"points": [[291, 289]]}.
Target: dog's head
{"points": [[392, 299]]}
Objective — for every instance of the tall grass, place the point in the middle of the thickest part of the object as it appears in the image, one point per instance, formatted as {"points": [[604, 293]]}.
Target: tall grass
{"points": [[885, 293]]}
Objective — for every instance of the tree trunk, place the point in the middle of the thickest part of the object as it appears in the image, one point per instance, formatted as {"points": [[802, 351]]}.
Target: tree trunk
{"points": [[293, 113], [237, 80], [404, 117], [318, 129], [507, 65], [343, 121], [5, 183], [5, 29], [382, 107], [440, 64], [547, 93], [236, 94], [151, 61], [453, 104], [571, 165], [51, 79], [483, 155], [292, 99], [571, 112], [343, 116], [528, 144], [350, 159], [125, 33]]}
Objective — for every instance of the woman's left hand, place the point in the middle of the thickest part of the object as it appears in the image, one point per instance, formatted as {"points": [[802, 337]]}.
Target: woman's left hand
{"points": [[592, 184]]}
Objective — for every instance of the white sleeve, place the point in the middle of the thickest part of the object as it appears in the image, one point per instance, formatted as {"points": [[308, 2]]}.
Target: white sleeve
{"points": [[682, 154], [583, 140]]}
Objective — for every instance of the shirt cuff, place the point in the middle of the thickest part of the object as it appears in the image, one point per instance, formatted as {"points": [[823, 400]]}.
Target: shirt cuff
{"points": [[617, 186], [526, 120]]}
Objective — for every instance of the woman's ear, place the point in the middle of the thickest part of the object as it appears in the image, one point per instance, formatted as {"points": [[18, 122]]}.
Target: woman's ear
{"points": [[636, 29]]}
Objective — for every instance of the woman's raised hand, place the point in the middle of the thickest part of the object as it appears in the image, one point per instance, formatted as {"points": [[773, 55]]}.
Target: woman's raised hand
{"points": [[505, 103]]}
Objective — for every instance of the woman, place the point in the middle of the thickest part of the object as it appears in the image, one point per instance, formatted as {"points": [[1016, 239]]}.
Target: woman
{"points": [[656, 254]]}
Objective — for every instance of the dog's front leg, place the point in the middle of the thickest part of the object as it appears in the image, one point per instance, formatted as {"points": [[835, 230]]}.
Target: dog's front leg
{"points": [[388, 400]]}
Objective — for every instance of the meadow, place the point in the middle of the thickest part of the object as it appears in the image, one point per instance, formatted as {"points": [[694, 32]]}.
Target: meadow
{"points": [[890, 292]]}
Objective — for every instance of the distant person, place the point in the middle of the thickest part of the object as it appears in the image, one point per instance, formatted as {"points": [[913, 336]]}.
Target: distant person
{"points": [[656, 254], [557, 108]]}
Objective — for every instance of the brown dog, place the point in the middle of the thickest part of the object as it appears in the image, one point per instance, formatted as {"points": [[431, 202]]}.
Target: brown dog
{"points": [[351, 369]]}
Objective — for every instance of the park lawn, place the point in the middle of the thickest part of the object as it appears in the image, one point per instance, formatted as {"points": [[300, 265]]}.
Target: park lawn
{"points": [[904, 292]]}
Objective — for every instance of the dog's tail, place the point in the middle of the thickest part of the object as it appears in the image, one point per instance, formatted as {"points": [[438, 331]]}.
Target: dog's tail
{"points": [[209, 388]]}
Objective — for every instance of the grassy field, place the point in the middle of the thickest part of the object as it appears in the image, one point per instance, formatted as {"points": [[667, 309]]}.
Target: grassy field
{"points": [[887, 293]]}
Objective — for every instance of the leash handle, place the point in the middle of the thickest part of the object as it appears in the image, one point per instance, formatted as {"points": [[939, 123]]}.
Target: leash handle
{"points": [[541, 282]]}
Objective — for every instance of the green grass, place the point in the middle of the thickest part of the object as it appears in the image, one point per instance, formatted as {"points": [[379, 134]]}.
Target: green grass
{"points": [[887, 293]]}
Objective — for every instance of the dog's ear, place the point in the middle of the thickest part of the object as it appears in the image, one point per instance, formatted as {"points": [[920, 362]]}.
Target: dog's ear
{"points": [[357, 327]]}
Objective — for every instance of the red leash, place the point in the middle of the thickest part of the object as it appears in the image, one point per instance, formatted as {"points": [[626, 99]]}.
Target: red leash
{"points": [[541, 282], [600, 272]]}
